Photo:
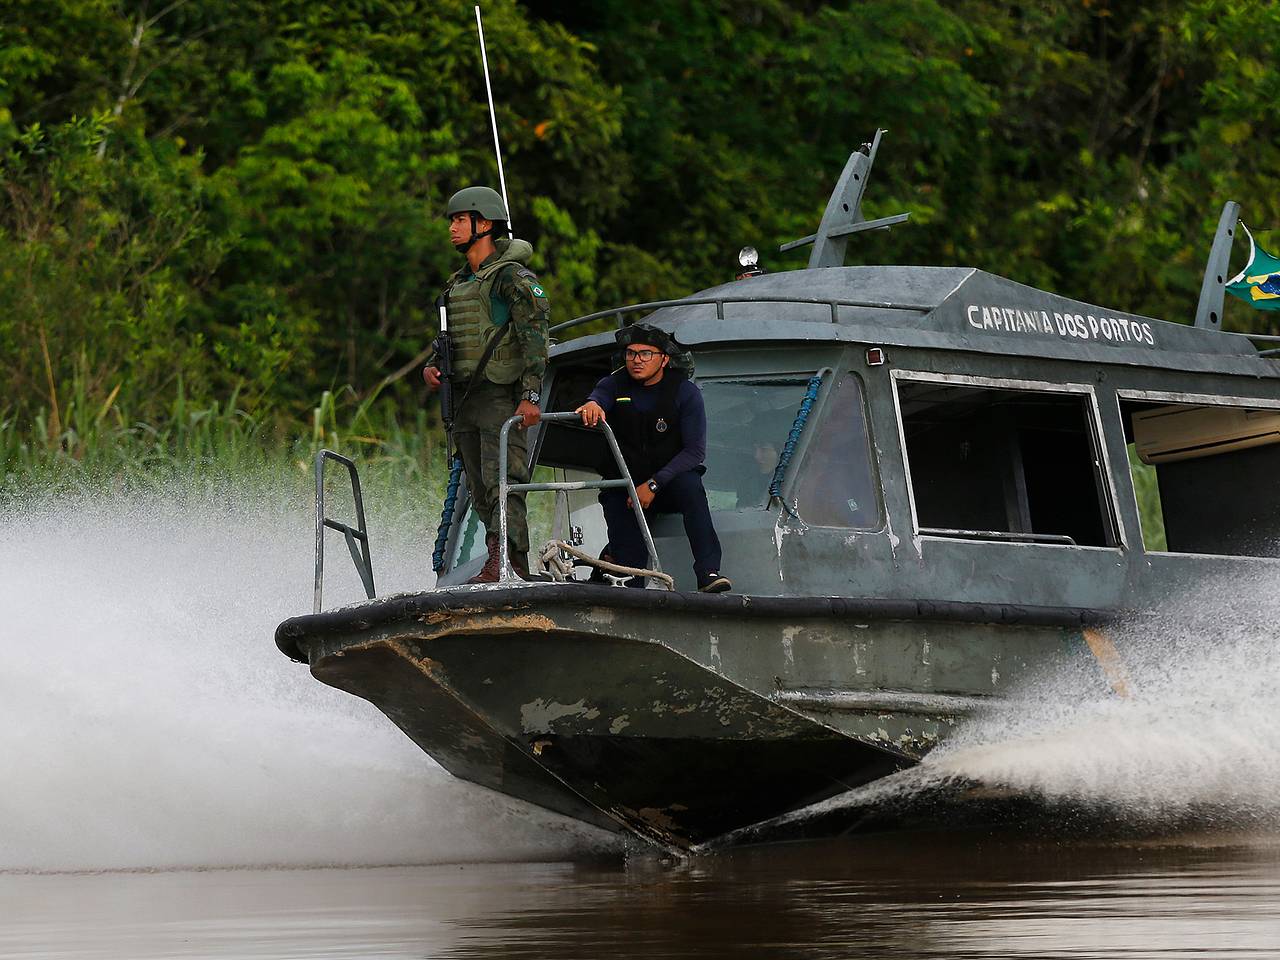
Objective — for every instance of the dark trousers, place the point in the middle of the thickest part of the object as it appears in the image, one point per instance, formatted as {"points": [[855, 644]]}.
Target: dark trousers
{"points": [[683, 495]]}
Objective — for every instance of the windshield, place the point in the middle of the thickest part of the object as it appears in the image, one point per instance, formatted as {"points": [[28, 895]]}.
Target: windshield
{"points": [[747, 427], [834, 484]]}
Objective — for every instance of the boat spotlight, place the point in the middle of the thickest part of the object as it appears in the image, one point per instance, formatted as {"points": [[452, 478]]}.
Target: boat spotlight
{"points": [[748, 263]]}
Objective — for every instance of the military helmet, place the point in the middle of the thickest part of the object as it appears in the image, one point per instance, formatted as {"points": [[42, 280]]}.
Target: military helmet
{"points": [[485, 201]]}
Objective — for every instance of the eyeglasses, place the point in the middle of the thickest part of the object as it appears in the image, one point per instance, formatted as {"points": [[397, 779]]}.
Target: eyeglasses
{"points": [[644, 356]]}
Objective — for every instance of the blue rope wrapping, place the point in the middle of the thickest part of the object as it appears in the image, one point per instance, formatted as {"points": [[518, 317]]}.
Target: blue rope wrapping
{"points": [[446, 515], [797, 428]]}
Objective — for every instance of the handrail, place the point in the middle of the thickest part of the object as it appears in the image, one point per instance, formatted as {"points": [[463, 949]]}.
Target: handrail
{"points": [[1269, 337], [1000, 536], [505, 571], [719, 302], [1264, 337], [364, 565], [833, 303]]}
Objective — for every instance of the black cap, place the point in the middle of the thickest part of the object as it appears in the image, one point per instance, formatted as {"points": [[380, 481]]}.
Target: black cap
{"points": [[647, 333]]}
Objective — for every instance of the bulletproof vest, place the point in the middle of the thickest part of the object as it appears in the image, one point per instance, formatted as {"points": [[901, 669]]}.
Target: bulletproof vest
{"points": [[476, 317], [648, 439]]}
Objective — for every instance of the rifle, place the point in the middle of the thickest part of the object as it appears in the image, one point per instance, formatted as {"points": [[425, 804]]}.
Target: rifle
{"points": [[444, 363]]}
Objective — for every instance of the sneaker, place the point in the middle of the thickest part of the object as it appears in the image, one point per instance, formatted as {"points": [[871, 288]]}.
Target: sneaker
{"points": [[713, 582]]}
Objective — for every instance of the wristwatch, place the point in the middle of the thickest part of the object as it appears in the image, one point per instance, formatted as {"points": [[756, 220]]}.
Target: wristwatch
{"points": [[531, 395], [653, 486]]}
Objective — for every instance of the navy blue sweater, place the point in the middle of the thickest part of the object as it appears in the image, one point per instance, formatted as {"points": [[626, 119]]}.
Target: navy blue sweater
{"points": [[693, 422]]}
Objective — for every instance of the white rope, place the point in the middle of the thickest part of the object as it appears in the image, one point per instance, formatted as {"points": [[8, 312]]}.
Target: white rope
{"points": [[553, 562]]}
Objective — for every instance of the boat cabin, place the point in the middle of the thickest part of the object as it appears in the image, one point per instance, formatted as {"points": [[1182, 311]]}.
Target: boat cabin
{"points": [[938, 432]]}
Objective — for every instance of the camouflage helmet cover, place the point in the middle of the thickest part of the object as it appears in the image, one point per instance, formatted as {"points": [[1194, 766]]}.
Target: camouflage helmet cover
{"points": [[485, 201]]}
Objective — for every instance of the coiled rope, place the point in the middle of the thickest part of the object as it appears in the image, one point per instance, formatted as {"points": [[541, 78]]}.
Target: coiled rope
{"points": [[793, 438], [446, 515], [554, 563]]}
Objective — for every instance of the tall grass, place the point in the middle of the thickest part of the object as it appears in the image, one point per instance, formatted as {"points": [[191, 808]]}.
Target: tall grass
{"points": [[93, 448]]}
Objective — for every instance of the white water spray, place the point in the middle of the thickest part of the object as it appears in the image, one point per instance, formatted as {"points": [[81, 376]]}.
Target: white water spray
{"points": [[1194, 737], [1190, 747], [148, 721]]}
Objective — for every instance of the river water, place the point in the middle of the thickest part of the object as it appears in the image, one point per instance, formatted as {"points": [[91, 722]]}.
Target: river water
{"points": [[170, 786]]}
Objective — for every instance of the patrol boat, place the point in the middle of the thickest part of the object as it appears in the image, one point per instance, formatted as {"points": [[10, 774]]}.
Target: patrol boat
{"points": [[926, 482]]}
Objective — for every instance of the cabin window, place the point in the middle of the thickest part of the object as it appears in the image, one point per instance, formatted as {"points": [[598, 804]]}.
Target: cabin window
{"points": [[834, 484], [987, 463], [1204, 475], [747, 427]]}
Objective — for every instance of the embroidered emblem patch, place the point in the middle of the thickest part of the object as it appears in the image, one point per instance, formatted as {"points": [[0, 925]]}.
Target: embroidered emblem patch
{"points": [[660, 426], [537, 290]]}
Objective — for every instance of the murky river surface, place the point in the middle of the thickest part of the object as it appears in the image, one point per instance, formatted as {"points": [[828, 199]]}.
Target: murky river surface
{"points": [[892, 895], [149, 726]]}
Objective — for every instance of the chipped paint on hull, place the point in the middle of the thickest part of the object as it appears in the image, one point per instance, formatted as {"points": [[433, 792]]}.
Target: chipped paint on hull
{"points": [[540, 715], [603, 616], [788, 645]]}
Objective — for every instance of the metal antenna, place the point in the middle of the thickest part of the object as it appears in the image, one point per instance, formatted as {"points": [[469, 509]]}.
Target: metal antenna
{"points": [[493, 120]]}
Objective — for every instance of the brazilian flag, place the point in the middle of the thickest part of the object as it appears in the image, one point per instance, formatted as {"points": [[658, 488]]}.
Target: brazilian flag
{"points": [[1258, 283]]}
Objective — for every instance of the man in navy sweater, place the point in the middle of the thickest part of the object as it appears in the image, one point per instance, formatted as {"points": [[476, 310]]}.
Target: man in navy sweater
{"points": [[658, 418]]}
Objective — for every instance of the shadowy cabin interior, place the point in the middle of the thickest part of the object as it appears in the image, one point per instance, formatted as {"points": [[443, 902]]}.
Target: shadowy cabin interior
{"points": [[1210, 465]]}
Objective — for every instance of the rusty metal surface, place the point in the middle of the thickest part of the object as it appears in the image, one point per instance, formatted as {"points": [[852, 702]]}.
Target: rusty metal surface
{"points": [[674, 727]]}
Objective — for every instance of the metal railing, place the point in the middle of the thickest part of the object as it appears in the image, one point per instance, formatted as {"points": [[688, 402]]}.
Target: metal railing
{"points": [[833, 303], [719, 303], [1264, 337], [1001, 536], [360, 557], [505, 571]]}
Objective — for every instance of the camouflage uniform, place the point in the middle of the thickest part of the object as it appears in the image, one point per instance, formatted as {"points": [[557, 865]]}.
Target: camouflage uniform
{"points": [[517, 365]]}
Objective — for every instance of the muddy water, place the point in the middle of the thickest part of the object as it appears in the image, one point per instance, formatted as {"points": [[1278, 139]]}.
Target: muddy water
{"points": [[979, 894], [165, 774]]}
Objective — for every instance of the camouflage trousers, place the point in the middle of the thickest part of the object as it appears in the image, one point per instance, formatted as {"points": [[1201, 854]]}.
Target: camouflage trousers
{"points": [[475, 433]]}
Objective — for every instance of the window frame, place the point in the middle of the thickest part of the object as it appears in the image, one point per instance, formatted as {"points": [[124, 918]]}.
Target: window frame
{"points": [[1093, 419], [1191, 399], [834, 377]]}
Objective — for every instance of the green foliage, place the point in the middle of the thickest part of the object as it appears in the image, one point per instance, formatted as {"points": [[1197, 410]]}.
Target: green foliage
{"points": [[101, 263], [1150, 513], [234, 205]]}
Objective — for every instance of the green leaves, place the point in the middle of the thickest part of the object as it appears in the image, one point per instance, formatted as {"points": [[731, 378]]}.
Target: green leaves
{"points": [[247, 193]]}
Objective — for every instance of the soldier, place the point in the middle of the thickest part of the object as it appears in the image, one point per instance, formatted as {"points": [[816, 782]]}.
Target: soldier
{"points": [[498, 318]]}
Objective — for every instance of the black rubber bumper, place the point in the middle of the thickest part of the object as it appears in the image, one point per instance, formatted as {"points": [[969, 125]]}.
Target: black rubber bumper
{"points": [[410, 606]]}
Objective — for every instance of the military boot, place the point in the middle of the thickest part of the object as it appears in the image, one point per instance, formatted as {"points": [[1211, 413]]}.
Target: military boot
{"points": [[520, 564], [489, 572]]}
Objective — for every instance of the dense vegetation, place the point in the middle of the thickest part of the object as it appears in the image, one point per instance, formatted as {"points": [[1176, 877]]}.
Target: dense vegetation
{"points": [[216, 212]]}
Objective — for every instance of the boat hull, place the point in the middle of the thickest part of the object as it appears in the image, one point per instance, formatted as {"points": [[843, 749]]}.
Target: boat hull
{"points": [[674, 717]]}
